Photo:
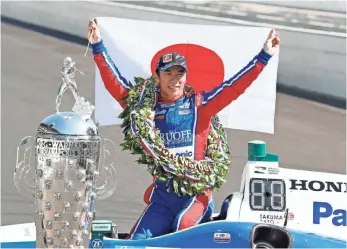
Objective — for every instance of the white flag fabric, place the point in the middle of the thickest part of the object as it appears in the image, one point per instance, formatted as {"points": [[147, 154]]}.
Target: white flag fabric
{"points": [[133, 43]]}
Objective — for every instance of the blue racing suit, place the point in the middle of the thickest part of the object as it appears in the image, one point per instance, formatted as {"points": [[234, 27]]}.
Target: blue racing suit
{"points": [[184, 125]]}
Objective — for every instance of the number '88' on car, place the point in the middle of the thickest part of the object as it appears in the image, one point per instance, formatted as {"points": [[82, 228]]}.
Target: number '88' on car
{"points": [[267, 194]]}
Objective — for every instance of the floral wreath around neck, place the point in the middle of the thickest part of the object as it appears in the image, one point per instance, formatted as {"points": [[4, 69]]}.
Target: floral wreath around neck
{"points": [[143, 138]]}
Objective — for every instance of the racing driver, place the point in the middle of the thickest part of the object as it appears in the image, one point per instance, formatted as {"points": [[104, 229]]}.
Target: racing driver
{"points": [[184, 122]]}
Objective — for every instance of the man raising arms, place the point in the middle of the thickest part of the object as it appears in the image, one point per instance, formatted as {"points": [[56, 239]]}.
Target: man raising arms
{"points": [[184, 121]]}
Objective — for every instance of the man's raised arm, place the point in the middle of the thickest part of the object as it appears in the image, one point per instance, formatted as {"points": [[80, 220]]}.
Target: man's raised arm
{"points": [[113, 80], [228, 91]]}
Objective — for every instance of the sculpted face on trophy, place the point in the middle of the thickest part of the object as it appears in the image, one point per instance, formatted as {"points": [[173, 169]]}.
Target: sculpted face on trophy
{"points": [[66, 167]]}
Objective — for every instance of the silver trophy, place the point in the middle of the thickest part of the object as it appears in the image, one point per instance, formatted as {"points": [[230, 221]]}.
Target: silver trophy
{"points": [[65, 168]]}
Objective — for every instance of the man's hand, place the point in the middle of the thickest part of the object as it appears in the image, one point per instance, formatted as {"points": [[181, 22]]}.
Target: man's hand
{"points": [[272, 43], [94, 35]]}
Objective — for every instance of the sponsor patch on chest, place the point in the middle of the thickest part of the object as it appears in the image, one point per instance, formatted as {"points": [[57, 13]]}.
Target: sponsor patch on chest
{"points": [[177, 138], [185, 105], [184, 112]]}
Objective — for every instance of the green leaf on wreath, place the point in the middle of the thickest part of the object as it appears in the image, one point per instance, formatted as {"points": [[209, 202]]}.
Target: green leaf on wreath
{"points": [[175, 185]]}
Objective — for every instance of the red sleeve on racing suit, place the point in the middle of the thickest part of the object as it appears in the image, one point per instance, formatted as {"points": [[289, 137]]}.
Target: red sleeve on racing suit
{"points": [[114, 82], [228, 91]]}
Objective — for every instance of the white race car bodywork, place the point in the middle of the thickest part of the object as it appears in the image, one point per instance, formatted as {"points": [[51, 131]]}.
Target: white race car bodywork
{"points": [[316, 201]]}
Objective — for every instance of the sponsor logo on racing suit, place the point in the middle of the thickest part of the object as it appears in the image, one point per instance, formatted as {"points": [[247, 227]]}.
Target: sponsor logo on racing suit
{"points": [[177, 138]]}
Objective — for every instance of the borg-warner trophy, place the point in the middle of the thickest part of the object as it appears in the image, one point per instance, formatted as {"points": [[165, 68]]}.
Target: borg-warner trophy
{"points": [[65, 168]]}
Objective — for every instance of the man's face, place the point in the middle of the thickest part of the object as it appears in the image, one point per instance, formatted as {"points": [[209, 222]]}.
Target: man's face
{"points": [[172, 82]]}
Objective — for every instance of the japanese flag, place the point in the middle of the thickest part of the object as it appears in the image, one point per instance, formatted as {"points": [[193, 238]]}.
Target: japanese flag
{"points": [[214, 54]]}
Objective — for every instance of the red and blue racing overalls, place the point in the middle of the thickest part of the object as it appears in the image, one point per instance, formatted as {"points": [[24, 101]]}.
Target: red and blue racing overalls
{"points": [[184, 126]]}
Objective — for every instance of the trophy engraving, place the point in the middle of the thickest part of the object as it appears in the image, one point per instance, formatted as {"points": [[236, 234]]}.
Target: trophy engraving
{"points": [[65, 168]]}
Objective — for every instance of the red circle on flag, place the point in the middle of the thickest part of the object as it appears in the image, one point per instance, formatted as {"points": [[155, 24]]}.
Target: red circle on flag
{"points": [[205, 67]]}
